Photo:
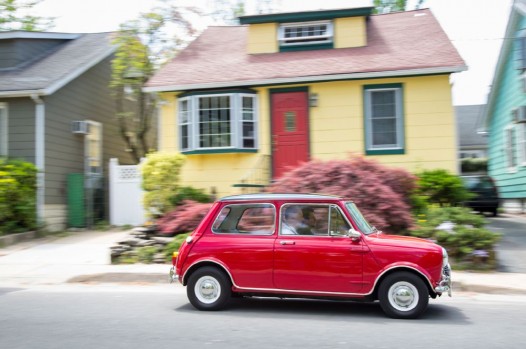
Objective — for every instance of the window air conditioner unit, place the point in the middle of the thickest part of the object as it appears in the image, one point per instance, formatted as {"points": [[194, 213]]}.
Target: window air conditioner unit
{"points": [[519, 114], [80, 127]]}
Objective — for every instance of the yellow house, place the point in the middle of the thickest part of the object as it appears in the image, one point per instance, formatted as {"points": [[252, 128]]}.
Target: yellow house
{"points": [[245, 103]]}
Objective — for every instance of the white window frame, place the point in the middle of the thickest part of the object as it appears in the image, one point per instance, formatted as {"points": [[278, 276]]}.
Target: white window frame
{"points": [[93, 149], [399, 119], [236, 122], [3, 130], [327, 38], [521, 143], [510, 148]]}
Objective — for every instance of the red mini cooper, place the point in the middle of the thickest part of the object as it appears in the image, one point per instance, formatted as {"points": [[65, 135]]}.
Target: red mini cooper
{"points": [[308, 246]]}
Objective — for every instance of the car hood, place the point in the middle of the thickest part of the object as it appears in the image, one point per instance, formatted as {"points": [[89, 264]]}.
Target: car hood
{"points": [[400, 241]]}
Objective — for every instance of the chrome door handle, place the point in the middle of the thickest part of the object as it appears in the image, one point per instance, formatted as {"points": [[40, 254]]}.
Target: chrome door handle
{"points": [[283, 242]]}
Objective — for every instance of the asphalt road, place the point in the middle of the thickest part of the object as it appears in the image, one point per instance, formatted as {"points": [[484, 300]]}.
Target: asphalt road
{"points": [[161, 317], [511, 249]]}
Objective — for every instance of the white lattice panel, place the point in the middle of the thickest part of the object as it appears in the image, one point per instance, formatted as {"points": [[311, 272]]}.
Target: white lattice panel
{"points": [[126, 195]]}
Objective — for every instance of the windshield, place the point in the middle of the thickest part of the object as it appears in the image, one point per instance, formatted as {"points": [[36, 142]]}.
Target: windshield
{"points": [[359, 219]]}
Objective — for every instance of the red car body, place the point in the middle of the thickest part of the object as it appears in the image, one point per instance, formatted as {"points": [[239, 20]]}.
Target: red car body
{"points": [[350, 260]]}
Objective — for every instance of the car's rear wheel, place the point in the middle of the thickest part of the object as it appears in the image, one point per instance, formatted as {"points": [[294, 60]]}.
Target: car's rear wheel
{"points": [[403, 295], [209, 289]]}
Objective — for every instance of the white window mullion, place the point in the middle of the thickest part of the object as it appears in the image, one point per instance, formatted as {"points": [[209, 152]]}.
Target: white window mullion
{"points": [[235, 105]]}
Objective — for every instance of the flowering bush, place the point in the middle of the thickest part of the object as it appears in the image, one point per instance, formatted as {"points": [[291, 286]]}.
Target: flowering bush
{"points": [[184, 218], [381, 193]]}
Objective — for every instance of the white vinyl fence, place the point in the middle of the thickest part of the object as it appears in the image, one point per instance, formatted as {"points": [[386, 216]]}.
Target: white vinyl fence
{"points": [[125, 194]]}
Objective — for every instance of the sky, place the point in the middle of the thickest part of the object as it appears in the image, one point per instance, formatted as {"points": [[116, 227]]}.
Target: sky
{"points": [[475, 27]]}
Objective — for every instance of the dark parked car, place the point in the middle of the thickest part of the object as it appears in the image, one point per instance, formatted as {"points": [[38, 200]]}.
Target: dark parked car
{"points": [[485, 195]]}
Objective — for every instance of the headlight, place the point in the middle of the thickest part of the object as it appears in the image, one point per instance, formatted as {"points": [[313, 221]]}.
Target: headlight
{"points": [[445, 258]]}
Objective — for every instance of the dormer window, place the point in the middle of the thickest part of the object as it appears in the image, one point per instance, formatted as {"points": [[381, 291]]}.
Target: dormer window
{"points": [[305, 35]]}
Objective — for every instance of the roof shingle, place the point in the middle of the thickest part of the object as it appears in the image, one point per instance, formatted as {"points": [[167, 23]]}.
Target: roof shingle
{"points": [[401, 41]]}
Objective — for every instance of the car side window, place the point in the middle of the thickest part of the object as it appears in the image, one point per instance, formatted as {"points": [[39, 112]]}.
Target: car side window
{"points": [[305, 220], [338, 224], [256, 219]]}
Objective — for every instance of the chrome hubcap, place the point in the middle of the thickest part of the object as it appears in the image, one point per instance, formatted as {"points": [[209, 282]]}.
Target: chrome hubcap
{"points": [[403, 296], [207, 289]]}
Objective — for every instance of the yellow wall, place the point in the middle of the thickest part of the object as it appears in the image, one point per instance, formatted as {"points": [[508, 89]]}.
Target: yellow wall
{"points": [[263, 38], [336, 130], [350, 32]]}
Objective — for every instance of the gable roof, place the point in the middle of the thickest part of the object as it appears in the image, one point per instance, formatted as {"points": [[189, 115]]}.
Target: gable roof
{"points": [[469, 119], [47, 74], [398, 44]]}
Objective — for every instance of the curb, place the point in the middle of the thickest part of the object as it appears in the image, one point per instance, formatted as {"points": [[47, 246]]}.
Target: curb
{"points": [[12, 239], [158, 278]]}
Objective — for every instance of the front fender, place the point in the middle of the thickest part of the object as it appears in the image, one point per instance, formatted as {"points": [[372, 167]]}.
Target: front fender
{"points": [[406, 266]]}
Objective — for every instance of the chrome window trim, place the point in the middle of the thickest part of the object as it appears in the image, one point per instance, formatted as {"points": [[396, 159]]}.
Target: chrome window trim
{"points": [[245, 234]]}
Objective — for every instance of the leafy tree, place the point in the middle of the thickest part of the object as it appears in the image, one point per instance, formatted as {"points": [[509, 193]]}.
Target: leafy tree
{"points": [[14, 16], [143, 45], [386, 6]]}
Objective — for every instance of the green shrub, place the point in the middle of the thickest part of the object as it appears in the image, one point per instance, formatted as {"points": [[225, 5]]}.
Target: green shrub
{"points": [[17, 196], [174, 246], [474, 165], [189, 193], [160, 174], [469, 244], [441, 187], [146, 254]]}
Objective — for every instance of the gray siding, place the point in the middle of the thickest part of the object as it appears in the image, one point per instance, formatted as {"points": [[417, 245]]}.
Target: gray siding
{"points": [[21, 128], [86, 98], [15, 52]]}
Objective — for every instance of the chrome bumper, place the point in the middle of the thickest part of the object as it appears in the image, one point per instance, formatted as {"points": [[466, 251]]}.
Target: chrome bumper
{"points": [[445, 282], [173, 276]]}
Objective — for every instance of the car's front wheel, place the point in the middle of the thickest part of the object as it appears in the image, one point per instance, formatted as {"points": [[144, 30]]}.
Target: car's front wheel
{"points": [[209, 289], [403, 295]]}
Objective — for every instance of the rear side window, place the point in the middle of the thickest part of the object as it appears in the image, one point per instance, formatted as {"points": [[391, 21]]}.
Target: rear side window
{"points": [[256, 219]]}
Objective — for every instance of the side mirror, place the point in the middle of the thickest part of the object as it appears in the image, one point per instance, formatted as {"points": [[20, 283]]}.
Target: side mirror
{"points": [[354, 235]]}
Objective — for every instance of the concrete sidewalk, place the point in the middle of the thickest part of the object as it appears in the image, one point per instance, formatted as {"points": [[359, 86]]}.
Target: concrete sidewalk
{"points": [[84, 257]]}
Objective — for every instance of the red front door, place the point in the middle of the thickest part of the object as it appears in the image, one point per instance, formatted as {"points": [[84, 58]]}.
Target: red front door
{"points": [[290, 131]]}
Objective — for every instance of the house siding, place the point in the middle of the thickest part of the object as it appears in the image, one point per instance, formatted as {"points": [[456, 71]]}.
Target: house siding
{"points": [[336, 130], [21, 128], [510, 94], [86, 98]]}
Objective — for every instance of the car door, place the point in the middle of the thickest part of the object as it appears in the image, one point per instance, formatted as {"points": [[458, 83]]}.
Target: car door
{"points": [[328, 263], [241, 239]]}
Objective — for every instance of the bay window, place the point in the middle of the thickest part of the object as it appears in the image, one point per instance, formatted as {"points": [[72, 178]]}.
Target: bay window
{"points": [[217, 122]]}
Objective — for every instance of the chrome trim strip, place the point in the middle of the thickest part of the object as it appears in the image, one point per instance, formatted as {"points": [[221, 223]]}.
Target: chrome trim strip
{"points": [[281, 290]]}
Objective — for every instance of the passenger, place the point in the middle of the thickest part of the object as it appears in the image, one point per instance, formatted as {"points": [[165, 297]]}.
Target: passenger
{"points": [[292, 222], [321, 221]]}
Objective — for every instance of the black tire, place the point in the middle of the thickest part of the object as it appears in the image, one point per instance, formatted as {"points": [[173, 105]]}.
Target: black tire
{"points": [[495, 212], [403, 295], [209, 289]]}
